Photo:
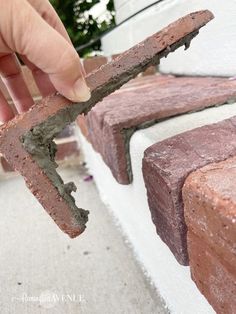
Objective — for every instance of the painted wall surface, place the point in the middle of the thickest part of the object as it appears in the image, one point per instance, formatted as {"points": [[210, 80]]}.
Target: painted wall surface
{"points": [[213, 52], [125, 9]]}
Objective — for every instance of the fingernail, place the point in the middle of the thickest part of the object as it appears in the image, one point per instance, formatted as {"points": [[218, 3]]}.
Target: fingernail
{"points": [[81, 91]]}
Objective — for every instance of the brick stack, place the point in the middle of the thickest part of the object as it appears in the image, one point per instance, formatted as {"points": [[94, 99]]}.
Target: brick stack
{"points": [[92, 64], [143, 103], [210, 211], [200, 230], [167, 164]]}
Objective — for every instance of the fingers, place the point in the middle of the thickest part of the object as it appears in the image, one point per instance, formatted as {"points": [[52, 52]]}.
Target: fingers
{"points": [[6, 113], [47, 12], [50, 52], [12, 77]]}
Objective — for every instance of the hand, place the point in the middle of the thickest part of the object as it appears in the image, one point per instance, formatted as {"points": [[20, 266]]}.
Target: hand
{"points": [[33, 30]]}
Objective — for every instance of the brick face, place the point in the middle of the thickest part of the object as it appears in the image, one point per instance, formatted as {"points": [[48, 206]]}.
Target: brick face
{"points": [[5, 165], [150, 71], [67, 147], [91, 64], [143, 103], [211, 276], [29, 81], [210, 211], [82, 123], [67, 150], [167, 164]]}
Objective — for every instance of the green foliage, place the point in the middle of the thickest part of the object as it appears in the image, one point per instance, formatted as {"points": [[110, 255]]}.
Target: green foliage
{"points": [[81, 25]]}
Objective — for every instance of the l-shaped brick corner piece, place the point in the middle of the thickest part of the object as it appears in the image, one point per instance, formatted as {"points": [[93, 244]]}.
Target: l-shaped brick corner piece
{"points": [[27, 140]]}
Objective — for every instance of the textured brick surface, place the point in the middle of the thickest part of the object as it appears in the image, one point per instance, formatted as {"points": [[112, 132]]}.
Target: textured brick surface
{"points": [[5, 165], [209, 196], [82, 123], [66, 150], [26, 141], [150, 71], [133, 84], [29, 81], [167, 164], [4, 89], [70, 220], [143, 103], [91, 64], [211, 276]]}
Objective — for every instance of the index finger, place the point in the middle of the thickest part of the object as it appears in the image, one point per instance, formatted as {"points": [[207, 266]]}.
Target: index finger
{"points": [[48, 13], [48, 50]]}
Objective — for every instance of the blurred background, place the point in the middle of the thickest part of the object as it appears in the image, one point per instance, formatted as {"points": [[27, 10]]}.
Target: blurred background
{"points": [[86, 21]]}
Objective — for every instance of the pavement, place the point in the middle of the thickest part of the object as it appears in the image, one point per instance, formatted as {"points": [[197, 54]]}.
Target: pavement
{"points": [[42, 270]]}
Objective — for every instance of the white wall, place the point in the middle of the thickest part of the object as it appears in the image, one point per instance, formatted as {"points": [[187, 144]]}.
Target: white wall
{"points": [[125, 9], [213, 52]]}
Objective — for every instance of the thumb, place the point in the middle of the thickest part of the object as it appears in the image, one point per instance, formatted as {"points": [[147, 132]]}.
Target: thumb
{"points": [[49, 51]]}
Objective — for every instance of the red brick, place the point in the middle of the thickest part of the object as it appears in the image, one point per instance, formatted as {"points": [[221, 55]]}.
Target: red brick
{"points": [[29, 80], [82, 123], [135, 83], [209, 196], [66, 150], [5, 165], [41, 124], [150, 71], [144, 103], [91, 64], [53, 198], [167, 164], [4, 89], [212, 278]]}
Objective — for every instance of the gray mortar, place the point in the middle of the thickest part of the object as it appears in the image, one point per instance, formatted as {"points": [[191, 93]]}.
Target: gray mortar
{"points": [[127, 133], [39, 140]]}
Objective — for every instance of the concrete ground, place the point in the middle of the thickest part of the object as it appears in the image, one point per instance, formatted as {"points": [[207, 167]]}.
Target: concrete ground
{"points": [[43, 271]]}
